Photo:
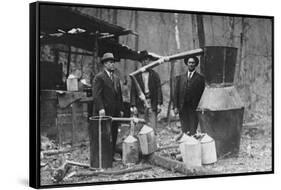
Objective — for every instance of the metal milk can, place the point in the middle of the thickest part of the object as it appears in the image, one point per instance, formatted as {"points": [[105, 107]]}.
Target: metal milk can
{"points": [[190, 149], [208, 148], [147, 140], [72, 83], [130, 147]]}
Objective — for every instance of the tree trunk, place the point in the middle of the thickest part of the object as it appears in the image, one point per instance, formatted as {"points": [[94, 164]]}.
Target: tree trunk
{"points": [[95, 65], [200, 30], [177, 39], [231, 31], [194, 31], [115, 16], [212, 28], [240, 66], [125, 67], [137, 37]]}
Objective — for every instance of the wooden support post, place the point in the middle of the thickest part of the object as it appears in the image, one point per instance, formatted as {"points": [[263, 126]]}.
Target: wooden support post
{"points": [[59, 132], [74, 122], [68, 61], [95, 56]]}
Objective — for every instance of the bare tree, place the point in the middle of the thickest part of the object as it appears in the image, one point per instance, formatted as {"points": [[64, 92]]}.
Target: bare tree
{"points": [[231, 25], [200, 30], [137, 38], [212, 28], [194, 31], [177, 39]]}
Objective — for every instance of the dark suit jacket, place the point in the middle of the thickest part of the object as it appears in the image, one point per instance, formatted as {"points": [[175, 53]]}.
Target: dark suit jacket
{"points": [[188, 92], [155, 90], [107, 94]]}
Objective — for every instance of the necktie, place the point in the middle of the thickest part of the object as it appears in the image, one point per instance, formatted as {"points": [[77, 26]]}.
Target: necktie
{"points": [[111, 76], [189, 76]]}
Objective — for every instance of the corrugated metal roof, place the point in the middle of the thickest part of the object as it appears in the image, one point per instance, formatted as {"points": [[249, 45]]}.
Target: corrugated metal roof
{"points": [[86, 42], [54, 17]]}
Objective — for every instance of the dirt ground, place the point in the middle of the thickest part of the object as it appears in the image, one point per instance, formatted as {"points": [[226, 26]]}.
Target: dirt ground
{"points": [[255, 155]]}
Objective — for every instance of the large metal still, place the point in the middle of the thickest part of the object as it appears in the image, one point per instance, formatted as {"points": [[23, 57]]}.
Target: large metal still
{"points": [[220, 109]]}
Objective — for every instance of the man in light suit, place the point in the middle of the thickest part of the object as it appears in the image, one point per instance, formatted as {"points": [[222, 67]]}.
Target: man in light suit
{"points": [[188, 91], [150, 84], [107, 94]]}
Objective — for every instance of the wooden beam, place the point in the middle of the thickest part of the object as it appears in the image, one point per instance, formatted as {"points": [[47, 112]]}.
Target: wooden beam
{"points": [[60, 173], [76, 53], [68, 61], [177, 166], [112, 172]]}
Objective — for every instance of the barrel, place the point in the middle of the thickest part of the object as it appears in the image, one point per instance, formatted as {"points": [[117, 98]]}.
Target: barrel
{"points": [[225, 128], [100, 142], [48, 113]]}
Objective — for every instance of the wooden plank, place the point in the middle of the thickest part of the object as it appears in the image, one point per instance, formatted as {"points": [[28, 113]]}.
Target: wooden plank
{"points": [[177, 166], [76, 53], [112, 172], [66, 98]]}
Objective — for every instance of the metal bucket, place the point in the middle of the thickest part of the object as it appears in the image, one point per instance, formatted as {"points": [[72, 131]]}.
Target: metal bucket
{"points": [[48, 113], [101, 146]]}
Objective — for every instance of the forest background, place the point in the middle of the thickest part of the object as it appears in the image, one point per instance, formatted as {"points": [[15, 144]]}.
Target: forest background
{"points": [[166, 33]]}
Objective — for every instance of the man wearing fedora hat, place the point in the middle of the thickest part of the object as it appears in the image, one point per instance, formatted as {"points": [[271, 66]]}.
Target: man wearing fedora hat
{"points": [[107, 96], [150, 85], [188, 91]]}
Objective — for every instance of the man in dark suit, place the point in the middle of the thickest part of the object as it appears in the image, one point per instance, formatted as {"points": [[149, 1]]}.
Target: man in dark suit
{"points": [[188, 91], [150, 84], [107, 94]]}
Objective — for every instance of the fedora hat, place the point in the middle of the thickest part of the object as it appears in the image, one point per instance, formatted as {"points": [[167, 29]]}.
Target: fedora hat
{"points": [[107, 56], [144, 55]]}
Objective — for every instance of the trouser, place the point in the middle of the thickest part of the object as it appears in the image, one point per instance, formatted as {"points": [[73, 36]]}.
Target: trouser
{"points": [[189, 120], [114, 134]]}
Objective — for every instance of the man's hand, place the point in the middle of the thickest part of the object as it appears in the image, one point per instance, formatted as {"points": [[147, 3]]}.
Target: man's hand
{"points": [[159, 108], [176, 111], [102, 112], [121, 113], [134, 110]]}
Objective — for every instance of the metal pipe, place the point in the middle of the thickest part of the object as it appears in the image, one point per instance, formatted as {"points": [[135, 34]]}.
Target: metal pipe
{"points": [[167, 59]]}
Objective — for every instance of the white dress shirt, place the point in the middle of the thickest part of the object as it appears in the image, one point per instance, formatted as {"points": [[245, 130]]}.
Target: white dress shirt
{"points": [[145, 78], [109, 74], [190, 74]]}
